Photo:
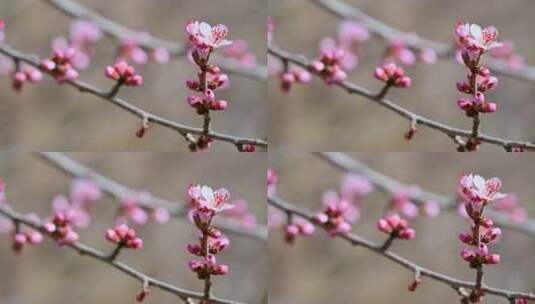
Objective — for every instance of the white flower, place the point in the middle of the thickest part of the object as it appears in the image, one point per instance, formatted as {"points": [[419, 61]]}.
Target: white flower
{"points": [[205, 198], [475, 188], [473, 37], [202, 34]]}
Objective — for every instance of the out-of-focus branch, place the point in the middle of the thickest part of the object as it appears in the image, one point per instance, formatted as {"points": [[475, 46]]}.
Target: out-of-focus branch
{"points": [[377, 249], [390, 185], [387, 32], [86, 250], [405, 113], [84, 87], [119, 191], [120, 32]]}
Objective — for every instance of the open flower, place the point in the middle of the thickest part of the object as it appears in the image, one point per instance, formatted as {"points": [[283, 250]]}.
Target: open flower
{"points": [[205, 198], [203, 35], [474, 38], [476, 189]]}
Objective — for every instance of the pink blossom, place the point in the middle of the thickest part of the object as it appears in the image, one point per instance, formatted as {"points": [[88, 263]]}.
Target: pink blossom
{"points": [[473, 38], [2, 28], [354, 187], [475, 189], [401, 201], [84, 190], [124, 236], [398, 51], [202, 34], [161, 55], [161, 215], [239, 50], [298, 227], [329, 66], [130, 50], [131, 210], [124, 74], [272, 180], [60, 65], [510, 205], [391, 74], [294, 75], [351, 32], [59, 228], [241, 213], [431, 209], [29, 74], [205, 198], [2, 191], [396, 227], [337, 214], [84, 33], [428, 55], [208, 266]]}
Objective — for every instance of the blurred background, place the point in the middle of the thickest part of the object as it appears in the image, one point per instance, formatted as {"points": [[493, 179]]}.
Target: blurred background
{"points": [[48, 274], [51, 117], [316, 117], [318, 269]]}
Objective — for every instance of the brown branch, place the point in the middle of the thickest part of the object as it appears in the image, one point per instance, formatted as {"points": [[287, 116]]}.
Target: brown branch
{"points": [[387, 32], [120, 191], [405, 113], [120, 32], [356, 240], [390, 185], [84, 87], [86, 250]]}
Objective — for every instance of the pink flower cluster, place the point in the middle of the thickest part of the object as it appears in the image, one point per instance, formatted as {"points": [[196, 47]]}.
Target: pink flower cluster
{"points": [[477, 193], [393, 75], [206, 203], [124, 74], [509, 205], [79, 205], [328, 66], [337, 216], [61, 230], [506, 52], [2, 27], [29, 236], [298, 226], [241, 213], [124, 236], [83, 36], [131, 50], [397, 51], [29, 74], [60, 65], [474, 42], [396, 227], [272, 180], [131, 210], [239, 50], [292, 76]]}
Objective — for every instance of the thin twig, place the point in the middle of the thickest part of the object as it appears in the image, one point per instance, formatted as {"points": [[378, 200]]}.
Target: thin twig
{"points": [[361, 242], [394, 107], [142, 114], [119, 191], [149, 42], [86, 250]]}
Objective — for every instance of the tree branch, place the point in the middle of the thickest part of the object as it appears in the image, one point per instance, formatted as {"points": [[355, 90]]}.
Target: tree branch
{"points": [[120, 191], [405, 113], [120, 32], [84, 87], [85, 250], [385, 31], [359, 241], [390, 185]]}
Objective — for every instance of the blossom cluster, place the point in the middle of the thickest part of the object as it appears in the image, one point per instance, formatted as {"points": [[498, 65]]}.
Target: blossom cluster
{"points": [[205, 204], [60, 228], [124, 74], [130, 49], [124, 236], [396, 227], [78, 205], [20, 77], [297, 227], [239, 50], [477, 193], [474, 41], [131, 209], [60, 65], [398, 51], [393, 75]]}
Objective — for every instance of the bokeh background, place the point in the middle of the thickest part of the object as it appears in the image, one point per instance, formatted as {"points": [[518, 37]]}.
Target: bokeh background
{"points": [[51, 117], [316, 117], [318, 269], [48, 274]]}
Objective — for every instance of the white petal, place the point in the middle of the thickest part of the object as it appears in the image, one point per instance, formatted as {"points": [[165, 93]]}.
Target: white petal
{"points": [[476, 32], [207, 193], [205, 29]]}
